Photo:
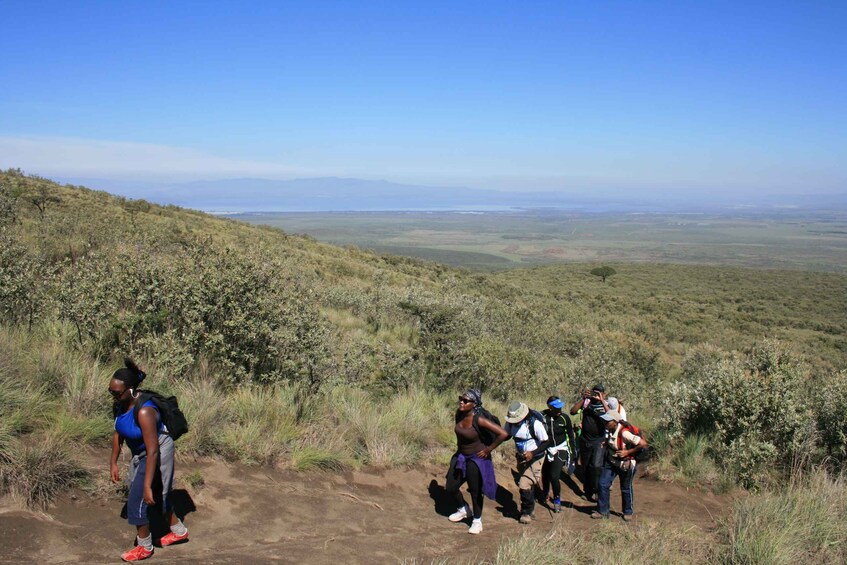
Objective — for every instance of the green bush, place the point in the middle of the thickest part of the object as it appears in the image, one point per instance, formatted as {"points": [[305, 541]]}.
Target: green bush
{"points": [[831, 416], [755, 411]]}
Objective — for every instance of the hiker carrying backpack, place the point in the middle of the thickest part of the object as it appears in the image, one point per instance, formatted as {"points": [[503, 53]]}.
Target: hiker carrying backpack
{"points": [[623, 442], [175, 424], [478, 433], [148, 424], [526, 427]]}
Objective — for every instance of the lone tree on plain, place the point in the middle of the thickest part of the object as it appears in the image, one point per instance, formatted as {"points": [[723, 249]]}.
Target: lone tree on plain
{"points": [[603, 272]]}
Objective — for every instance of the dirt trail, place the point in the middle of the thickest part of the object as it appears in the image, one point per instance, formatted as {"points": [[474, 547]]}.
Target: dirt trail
{"points": [[255, 515]]}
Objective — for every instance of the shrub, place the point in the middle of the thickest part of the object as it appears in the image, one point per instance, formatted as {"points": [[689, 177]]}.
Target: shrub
{"points": [[831, 416], [755, 411]]}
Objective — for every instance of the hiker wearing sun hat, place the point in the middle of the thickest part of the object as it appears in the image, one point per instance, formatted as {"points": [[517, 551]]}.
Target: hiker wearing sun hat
{"points": [[526, 427]]}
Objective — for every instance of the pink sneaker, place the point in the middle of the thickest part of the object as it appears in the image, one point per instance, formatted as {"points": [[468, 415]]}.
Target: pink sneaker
{"points": [[137, 553], [171, 538]]}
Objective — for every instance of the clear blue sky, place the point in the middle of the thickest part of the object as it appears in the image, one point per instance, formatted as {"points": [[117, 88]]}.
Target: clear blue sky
{"points": [[571, 95]]}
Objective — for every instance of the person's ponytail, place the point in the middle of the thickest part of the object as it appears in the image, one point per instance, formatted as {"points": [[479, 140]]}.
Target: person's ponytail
{"points": [[131, 375]]}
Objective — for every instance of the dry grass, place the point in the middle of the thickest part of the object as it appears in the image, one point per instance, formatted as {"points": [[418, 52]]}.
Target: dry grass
{"points": [[647, 542], [37, 473], [802, 523]]}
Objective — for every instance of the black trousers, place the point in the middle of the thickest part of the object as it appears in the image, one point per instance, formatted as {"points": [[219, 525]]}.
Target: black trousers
{"points": [[455, 480], [551, 473], [590, 462]]}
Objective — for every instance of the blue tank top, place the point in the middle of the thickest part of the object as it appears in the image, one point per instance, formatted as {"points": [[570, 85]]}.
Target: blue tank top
{"points": [[130, 431]]}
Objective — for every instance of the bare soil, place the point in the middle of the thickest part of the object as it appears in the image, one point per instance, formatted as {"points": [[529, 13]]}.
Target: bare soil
{"points": [[261, 514]]}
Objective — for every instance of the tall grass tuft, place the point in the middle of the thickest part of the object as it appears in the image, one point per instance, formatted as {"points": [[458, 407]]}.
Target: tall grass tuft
{"points": [[39, 472], [388, 431], [7, 455], [205, 408], [262, 423], [647, 542], [692, 459], [803, 522], [308, 457], [73, 426]]}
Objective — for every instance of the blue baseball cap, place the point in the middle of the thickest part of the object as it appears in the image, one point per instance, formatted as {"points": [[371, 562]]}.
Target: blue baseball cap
{"points": [[556, 403]]}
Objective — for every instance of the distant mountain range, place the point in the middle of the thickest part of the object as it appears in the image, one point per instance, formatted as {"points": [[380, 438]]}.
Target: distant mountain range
{"points": [[350, 194]]}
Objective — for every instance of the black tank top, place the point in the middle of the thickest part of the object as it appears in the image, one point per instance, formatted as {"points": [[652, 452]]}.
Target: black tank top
{"points": [[468, 440]]}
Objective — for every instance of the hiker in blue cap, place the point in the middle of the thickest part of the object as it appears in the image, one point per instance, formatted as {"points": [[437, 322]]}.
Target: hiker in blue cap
{"points": [[560, 453]]}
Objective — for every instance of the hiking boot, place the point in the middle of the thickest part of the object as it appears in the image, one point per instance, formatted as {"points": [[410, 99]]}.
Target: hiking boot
{"points": [[171, 538], [476, 527], [525, 519], [459, 514], [628, 517], [137, 553], [598, 516]]}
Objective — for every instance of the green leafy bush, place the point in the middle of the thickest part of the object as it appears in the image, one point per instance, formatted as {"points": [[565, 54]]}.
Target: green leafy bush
{"points": [[831, 415], [755, 411]]}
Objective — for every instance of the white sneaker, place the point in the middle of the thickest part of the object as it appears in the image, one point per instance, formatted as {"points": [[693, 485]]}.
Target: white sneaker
{"points": [[459, 514], [476, 527]]}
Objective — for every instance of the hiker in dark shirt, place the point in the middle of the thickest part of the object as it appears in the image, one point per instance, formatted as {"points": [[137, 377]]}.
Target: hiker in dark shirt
{"points": [[560, 431], [477, 435], [591, 439]]}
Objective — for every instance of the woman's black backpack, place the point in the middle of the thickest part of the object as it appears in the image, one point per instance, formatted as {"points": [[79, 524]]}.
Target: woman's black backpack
{"points": [[169, 411], [486, 436]]}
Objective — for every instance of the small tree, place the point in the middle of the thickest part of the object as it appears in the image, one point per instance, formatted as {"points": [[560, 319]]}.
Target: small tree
{"points": [[603, 272]]}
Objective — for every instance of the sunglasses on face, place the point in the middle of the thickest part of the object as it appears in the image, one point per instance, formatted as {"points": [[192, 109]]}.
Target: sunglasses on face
{"points": [[464, 400], [116, 393]]}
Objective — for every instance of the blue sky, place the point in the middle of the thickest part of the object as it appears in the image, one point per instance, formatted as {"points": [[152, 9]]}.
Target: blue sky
{"points": [[617, 96]]}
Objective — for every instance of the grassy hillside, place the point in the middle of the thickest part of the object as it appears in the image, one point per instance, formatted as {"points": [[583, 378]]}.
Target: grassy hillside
{"points": [[266, 337]]}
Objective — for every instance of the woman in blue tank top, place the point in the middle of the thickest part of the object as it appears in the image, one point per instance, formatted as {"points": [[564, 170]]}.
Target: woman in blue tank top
{"points": [[152, 461]]}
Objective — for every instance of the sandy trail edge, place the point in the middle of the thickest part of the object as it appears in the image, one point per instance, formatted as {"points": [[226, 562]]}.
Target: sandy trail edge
{"points": [[262, 514]]}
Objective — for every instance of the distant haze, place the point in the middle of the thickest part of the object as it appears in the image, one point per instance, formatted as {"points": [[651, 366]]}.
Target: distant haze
{"points": [[350, 194]]}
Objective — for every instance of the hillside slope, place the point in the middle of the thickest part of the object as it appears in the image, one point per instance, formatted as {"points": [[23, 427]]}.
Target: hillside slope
{"points": [[178, 288]]}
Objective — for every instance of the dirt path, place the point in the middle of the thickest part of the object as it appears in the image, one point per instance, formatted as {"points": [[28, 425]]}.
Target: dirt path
{"points": [[254, 515]]}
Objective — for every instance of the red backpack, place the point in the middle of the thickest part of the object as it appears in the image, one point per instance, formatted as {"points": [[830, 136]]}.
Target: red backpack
{"points": [[619, 443]]}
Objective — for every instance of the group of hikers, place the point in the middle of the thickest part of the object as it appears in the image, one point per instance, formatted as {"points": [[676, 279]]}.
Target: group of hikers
{"points": [[602, 446]]}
